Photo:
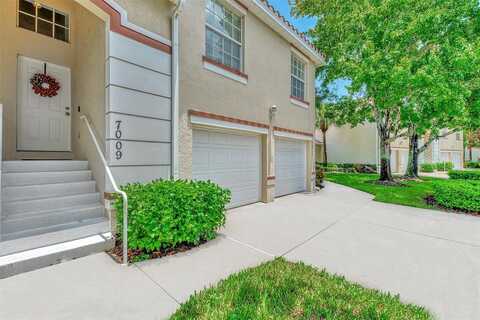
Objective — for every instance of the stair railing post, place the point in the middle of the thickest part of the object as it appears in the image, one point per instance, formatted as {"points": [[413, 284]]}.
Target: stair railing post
{"points": [[115, 188]]}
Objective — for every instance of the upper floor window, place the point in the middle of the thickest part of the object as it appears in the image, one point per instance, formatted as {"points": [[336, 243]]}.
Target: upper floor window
{"points": [[39, 18], [298, 77], [458, 136], [223, 35]]}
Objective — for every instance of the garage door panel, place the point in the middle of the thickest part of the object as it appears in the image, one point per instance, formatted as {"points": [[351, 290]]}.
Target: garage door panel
{"points": [[230, 160], [290, 167]]}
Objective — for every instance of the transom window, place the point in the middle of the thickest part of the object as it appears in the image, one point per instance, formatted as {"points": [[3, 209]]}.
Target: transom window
{"points": [[39, 18], [223, 35], [298, 78]]}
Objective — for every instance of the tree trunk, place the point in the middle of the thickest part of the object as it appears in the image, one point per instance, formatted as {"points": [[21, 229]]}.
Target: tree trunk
{"points": [[470, 153], [324, 137], [385, 168], [412, 167]]}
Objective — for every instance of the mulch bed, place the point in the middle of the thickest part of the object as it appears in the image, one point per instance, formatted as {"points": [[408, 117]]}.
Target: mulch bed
{"points": [[140, 255], [430, 200]]}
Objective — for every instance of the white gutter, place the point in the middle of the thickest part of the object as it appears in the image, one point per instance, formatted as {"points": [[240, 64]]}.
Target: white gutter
{"points": [[175, 88]]}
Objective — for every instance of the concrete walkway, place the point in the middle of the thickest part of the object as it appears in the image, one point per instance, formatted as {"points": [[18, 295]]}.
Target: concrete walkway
{"points": [[428, 257]]}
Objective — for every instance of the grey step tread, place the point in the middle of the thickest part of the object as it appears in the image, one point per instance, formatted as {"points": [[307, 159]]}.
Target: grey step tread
{"points": [[44, 165], [55, 203], [52, 228], [43, 240], [37, 178], [41, 191], [24, 222], [45, 256]]}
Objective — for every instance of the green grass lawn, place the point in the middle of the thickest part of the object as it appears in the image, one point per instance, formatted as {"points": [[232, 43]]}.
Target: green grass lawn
{"points": [[283, 290], [412, 194]]}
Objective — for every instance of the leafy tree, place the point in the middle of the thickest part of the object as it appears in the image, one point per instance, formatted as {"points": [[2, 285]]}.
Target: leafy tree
{"points": [[392, 52]]}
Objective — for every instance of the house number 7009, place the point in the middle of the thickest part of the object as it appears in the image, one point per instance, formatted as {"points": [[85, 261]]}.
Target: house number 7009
{"points": [[118, 143]]}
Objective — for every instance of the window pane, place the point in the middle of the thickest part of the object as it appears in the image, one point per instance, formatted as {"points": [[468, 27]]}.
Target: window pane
{"points": [[45, 28], [61, 19], [26, 6], [26, 22], [61, 33], [45, 13], [236, 50]]}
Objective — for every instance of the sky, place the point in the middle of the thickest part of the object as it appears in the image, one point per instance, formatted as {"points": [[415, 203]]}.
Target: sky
{"points": [[303, 25]]}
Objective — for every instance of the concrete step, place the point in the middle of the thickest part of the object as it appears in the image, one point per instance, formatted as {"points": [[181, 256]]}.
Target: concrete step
{"points": [[43, 165], [36, 178], [33, 259], [41, 191], [19, 223], [51, 228], [41, 205]]}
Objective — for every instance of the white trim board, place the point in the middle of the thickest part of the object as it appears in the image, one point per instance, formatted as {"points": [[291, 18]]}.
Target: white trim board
{"points": [[211, 67], [226, 125], [295, 136]]}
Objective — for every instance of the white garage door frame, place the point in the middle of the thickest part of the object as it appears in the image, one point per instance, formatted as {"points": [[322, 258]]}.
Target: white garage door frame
{"points": [[226, 146], [296, 186]]}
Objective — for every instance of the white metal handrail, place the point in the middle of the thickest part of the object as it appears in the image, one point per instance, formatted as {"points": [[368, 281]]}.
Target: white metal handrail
{"points": [[115, 187]]}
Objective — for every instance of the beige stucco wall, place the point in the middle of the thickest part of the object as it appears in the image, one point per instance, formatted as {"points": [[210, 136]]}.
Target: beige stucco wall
{"points": [[153, 15], [88, 89], [267, 64], [352, 145], [451, 143]]}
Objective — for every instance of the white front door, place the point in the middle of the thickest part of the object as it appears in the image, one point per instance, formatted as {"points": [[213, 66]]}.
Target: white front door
{"points": [[290, 167], [232, 161], [43, 123]]}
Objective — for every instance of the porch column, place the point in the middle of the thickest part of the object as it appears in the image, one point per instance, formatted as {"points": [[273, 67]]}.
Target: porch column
{"points": [[310, 166], [269, 159]]}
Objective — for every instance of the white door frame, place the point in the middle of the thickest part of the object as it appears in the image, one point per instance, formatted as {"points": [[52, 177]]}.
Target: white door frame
{"points": [[64, 112]]}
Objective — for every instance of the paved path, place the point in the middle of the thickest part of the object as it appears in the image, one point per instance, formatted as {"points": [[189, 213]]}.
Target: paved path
{"points": [[428, 257]]}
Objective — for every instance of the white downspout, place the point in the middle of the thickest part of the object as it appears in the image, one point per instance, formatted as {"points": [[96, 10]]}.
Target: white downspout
{"points": [[175, 88]]}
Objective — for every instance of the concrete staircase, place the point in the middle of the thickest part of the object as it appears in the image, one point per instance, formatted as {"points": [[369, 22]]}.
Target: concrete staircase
{"points": [[51, 211], [45, 196]]}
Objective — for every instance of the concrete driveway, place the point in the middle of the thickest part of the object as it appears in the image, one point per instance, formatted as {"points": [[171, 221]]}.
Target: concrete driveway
{"points": [[428, 257]]}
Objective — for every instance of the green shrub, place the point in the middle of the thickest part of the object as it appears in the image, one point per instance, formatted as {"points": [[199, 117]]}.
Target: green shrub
{"points": [[458, 194], [444, 166], [464, 175], [427, 167], [472, 165], [320, 176], [165, 213]]}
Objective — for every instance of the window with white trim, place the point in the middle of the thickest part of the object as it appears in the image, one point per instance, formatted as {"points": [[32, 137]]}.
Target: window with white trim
{"points": [[298, 77], [42, 19], [223, 35]]}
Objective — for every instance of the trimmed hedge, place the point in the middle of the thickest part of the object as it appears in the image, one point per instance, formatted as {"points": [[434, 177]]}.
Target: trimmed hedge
{"points": [[458, 194], [427, 167], [349, 167], [464, 175], [166, 213], [444, 166], [472, 165]]}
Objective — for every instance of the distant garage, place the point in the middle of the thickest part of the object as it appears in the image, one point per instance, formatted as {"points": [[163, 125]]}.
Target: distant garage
{"points": [[232, 160], [290, 166]]}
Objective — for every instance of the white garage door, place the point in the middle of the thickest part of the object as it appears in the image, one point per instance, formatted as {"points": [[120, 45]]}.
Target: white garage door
{"points": [[230, 160], [290, 167]]}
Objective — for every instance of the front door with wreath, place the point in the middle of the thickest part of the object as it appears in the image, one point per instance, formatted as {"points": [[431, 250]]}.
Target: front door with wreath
{"points": [[43, 106]]}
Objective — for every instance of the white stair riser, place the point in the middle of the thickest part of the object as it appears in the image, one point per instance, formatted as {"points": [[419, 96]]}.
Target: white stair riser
{"points": [[40, 166], [35, 178], [48, 190], [51, 219], [52, 228], [12, 208]]}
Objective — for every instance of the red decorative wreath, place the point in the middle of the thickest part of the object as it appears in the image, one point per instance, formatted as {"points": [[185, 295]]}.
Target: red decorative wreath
{"points": [[44, 85]]}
